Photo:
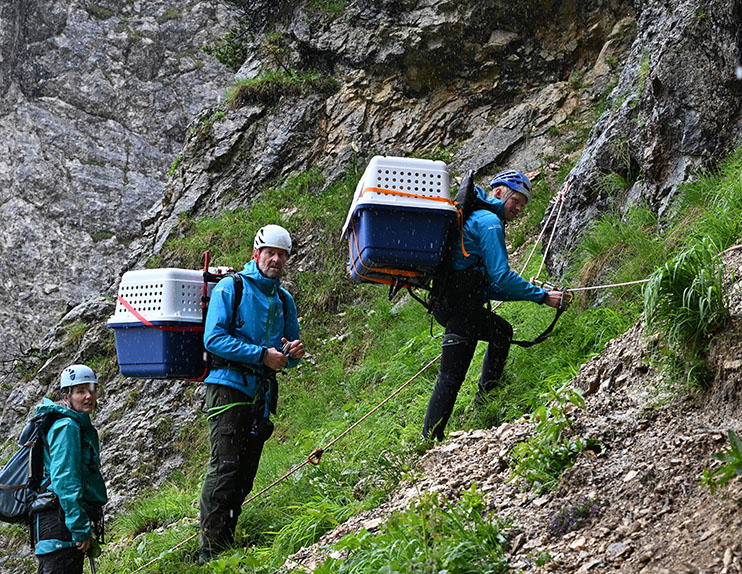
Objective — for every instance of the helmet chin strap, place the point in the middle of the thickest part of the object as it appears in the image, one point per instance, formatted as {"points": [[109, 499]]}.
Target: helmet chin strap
{"points": [[508, 196]]}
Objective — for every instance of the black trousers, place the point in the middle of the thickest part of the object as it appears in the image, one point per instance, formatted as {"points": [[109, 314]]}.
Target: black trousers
{"points": [[65, 561], [233, 464], [465, 323], [49, 524]]}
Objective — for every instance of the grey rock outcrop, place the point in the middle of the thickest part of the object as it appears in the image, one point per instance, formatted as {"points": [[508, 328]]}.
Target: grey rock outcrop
{"points": [[413, 77], [676, 109], [95, 100]]}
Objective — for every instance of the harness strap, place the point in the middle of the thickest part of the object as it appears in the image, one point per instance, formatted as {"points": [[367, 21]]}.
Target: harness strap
{"points": [[216, 411], [218, 362], [384, 191], [563, 304]]}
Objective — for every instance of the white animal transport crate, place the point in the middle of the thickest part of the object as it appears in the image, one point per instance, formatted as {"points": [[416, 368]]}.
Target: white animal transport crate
{"points": [[158, 323], [399, 219]]}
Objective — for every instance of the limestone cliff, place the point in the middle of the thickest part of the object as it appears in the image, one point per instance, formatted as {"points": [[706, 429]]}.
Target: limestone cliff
{"points": [[95, 100]]}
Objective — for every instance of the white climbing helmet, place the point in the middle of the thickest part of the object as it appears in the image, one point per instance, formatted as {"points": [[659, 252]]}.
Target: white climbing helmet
{"points": [[272, 236], [77, 375]]}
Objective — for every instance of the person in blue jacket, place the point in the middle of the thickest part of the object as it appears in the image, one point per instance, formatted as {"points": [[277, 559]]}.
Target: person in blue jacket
{"points": [[241, 389], [480, 272], [66, 521]]}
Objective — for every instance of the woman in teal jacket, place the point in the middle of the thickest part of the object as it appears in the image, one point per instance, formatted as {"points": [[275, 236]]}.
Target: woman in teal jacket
{"points": [[64, 529]]}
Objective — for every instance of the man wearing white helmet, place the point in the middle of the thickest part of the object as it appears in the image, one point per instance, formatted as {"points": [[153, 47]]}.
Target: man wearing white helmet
{"points": [[68, 525], [248, 346], [480, 272]]}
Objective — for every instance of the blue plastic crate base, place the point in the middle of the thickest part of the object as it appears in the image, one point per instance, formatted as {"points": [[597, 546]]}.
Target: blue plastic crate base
{"points": [[150, 353], [384, 240]]}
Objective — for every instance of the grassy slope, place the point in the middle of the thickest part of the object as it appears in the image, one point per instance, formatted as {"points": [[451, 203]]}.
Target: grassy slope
{"points": [[362, 347]]}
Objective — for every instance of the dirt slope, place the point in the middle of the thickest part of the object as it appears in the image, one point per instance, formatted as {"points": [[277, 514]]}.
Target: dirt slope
{"points": [[656, 517]]}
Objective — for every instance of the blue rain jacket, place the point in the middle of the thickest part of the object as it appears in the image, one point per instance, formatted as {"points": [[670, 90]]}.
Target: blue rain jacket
{"points": [[264, 324], [484, 241], [72, 463]]}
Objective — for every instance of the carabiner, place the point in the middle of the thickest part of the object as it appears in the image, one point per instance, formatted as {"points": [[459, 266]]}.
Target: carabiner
{"points": [[318, 454]]}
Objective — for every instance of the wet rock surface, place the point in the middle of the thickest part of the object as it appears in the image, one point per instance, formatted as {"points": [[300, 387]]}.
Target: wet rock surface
{"points": [[95, 101], [671, 114]]}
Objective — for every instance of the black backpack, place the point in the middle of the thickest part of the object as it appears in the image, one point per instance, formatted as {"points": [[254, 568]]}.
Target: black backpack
{"points": [[21, 477]]}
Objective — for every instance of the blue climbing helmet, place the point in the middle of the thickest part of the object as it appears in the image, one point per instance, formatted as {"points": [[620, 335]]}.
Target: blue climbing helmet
{"points": [[515, 180]]}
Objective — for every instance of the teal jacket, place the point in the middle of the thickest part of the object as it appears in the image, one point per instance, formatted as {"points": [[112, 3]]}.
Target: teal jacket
{"points": [[260, 326], [72, 464], [484, 241]]}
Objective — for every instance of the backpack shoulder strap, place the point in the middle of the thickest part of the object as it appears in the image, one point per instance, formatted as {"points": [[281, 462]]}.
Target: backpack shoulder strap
{"points": [[282, 297], [43, 423], [239, 286]]}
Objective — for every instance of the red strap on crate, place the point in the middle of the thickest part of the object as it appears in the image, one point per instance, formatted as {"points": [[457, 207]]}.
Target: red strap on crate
{"points": [[138, 315]]}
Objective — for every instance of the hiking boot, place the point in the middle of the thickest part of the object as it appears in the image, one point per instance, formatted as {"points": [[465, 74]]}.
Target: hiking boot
{"points": [[203, 558]]}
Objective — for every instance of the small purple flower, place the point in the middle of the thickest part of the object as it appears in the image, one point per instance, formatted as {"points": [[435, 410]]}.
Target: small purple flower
{"points": [[571, 517]]}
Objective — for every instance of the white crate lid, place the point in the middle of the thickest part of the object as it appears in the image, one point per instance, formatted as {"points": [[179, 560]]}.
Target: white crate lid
{"points": [[403, 182], [168, 294]]}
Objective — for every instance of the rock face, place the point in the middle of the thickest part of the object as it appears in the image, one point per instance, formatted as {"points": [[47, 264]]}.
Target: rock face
{"points": [[676, 109], [95, 99], [413, 76]]}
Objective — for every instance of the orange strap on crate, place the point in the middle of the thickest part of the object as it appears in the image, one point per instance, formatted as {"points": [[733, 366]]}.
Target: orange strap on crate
{"points": [[384, 191], [140, 317]]}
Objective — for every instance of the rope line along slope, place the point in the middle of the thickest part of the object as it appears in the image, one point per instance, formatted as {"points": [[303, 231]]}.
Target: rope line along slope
{"points": [[313, 458]]}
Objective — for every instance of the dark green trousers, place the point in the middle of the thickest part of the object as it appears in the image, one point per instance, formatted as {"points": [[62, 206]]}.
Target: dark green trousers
{"points": [[233, 463]]}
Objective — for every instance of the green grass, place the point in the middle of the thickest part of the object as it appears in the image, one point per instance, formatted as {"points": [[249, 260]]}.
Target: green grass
{"points": [[729, 467], [361, 348], [686, 303], [433, 535], [163, 507], [621, 248], [270, 86], [686, 300], [552, 447]]}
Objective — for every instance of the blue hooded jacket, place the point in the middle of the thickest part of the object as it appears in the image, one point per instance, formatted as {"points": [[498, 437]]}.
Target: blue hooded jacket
{"points": [[484, 241], [72, 464], [263, 324]]}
